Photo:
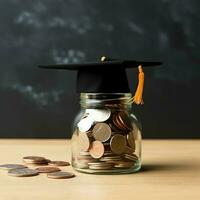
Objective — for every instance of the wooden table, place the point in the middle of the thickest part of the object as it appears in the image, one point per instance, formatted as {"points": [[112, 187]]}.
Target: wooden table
{"points": [[171, 170]]}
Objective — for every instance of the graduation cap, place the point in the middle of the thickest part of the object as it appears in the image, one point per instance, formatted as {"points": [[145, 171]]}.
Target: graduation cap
{"points": [[106, 76]]}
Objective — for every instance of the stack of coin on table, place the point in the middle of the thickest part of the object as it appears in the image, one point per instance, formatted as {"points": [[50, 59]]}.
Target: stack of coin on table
{"points": [[41, 165], [106, 140]]}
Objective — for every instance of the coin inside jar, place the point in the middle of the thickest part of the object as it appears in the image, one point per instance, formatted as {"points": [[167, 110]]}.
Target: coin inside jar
{"points": [[122, 121], [131, 140], [96, 149], [60, 175], [118, 144], [99, 115], [84, 142], [85, 124], [102, 132]]}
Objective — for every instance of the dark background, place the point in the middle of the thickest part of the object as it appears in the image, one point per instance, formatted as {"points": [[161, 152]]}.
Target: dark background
{"points": [[39, 103]]}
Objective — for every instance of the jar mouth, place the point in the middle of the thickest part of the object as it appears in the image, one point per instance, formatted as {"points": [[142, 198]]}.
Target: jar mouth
{"points": [[105, 99]]}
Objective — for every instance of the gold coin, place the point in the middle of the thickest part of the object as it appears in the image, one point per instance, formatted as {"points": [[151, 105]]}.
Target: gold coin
{"points": [[59, 163], [47, 169], [84, 142], [102, 132], [118, 144], [22, 172], [96, 149], [131, 140], [60, 175]]}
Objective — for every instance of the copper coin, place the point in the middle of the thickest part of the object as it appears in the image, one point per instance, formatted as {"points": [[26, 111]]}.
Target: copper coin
{"points": [[125, 120], [84, 142], [102, 132], [118, 144], [111, 158], [34, 159], [22, 172], [59, 163], [97, 149], [60, 175], [12, 166], [47, 169]]}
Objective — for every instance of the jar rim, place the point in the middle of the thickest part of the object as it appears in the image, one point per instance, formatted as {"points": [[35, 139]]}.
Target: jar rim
{"points": [[103, 99]]}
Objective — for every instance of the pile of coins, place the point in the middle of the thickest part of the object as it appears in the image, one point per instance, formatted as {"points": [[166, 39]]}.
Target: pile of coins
{"points": [[52, 171], [106, 140]]}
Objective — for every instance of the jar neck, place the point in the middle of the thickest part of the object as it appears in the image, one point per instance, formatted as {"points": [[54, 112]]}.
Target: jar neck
{"points": [[109, 100]]}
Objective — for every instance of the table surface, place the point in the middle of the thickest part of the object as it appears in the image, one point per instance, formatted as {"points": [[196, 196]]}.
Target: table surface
{"points": [[171, 170]]}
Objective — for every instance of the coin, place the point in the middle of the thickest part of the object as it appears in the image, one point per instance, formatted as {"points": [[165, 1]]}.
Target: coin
{"points": [[35, 159], [129, 150], [97, 149], [12, 166], [81, 165], [100, 165], [102, 132], [85, 124], [132, 157], [99, 115], [84, 142], [60, 175], [131, 140], [124, 164], [22, 172], [122, 121], [59, 163], [125, 120], [47, 169], [84, 153], [111, 158], [118, 144]]}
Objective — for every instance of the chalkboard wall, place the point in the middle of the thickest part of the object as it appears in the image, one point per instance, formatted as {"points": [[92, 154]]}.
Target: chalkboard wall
{"points": [[39, 103]]}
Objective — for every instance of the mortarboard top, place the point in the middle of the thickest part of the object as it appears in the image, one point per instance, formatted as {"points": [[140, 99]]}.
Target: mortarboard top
{"points": [[106, 76]]}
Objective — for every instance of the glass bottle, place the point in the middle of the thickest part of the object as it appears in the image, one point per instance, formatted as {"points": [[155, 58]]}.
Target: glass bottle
{"points": [[106, 135]]}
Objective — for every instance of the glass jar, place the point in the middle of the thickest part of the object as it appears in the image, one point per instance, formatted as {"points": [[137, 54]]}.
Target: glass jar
{"points": [[106, 135]]}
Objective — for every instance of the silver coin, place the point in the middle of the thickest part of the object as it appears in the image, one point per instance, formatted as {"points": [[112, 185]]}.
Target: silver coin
{"points": [[12, 166], [60, 175], [99, 115], [85, 124], [22, 172]]}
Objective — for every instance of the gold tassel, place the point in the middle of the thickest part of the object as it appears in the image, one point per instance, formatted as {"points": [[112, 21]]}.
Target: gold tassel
{"points": [[138, 94]]}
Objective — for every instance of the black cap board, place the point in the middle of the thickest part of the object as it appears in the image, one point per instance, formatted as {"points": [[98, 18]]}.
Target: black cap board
{"points": [[106, 76]]}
